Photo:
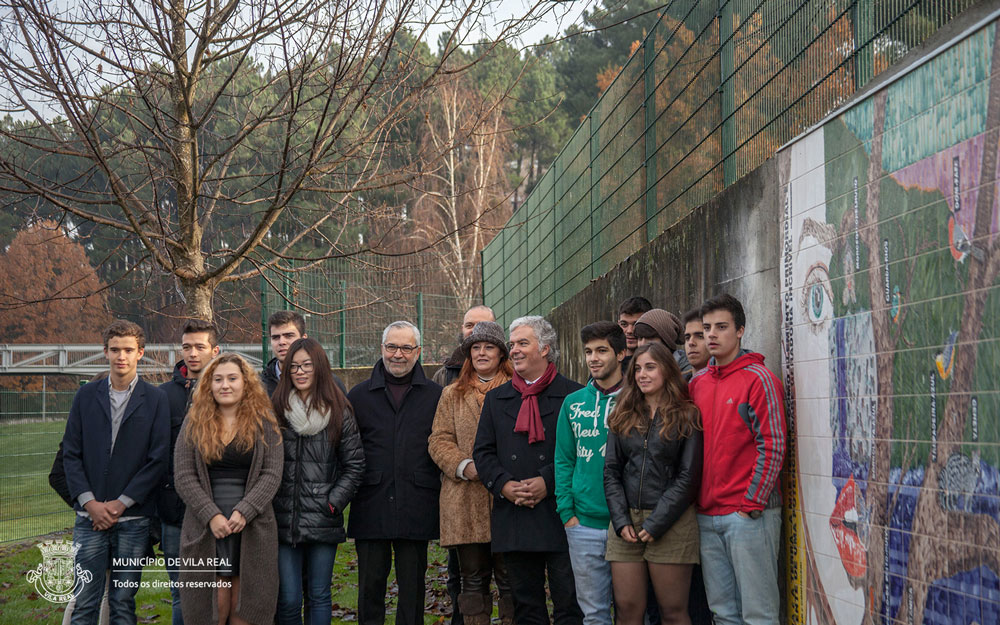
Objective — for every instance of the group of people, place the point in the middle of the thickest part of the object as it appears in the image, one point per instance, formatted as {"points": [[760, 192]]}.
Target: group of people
{"points": [[611, 494]]}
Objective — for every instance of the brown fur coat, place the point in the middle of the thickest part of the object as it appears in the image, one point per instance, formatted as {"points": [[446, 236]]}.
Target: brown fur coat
{"points": [[465, 505]]}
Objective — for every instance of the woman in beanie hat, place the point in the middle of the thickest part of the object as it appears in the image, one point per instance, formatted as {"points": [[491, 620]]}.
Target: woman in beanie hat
{"points": [[465, 502], [662, 326]]}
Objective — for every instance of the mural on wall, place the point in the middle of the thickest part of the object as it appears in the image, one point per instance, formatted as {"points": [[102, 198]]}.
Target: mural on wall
{"points": [[891, 349]]}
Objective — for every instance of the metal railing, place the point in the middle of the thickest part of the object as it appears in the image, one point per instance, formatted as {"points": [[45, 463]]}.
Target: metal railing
{"points": [[712, 92], [88, 360]]}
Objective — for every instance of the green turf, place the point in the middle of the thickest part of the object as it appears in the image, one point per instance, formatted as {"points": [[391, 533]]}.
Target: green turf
{"points": [[28, 505]]}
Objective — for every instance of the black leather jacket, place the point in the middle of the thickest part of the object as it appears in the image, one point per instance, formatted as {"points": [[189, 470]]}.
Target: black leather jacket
{"points": [[316, 475], [643, 471]]}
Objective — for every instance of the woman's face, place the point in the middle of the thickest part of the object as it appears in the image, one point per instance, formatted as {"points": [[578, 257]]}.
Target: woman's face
{"points": [[227, 384], [302, 371], [649, 375], [485, 358]]}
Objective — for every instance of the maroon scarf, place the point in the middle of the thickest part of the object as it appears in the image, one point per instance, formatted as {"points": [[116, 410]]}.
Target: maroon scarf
{"points": [[529, 418]]}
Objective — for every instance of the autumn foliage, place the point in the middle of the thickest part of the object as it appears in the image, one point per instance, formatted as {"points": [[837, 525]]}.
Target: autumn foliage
{"points": [[49, 292]]}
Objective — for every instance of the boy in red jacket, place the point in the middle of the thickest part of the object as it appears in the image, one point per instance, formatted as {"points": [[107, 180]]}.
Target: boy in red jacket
{"points": [[739, 503]]}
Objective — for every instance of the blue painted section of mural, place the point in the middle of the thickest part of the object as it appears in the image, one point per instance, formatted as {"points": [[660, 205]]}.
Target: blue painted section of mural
{"points": [[892, 302]]}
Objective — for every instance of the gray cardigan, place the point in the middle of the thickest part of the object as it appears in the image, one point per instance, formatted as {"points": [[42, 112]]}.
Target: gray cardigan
{"points": [[259, 544]]}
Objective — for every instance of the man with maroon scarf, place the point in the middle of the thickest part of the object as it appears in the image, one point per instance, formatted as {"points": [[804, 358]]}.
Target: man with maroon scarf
{"points": [[514, 451]]}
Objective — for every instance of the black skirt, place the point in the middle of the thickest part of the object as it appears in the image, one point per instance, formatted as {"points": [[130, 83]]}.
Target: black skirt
{"points": [[227, 492]]}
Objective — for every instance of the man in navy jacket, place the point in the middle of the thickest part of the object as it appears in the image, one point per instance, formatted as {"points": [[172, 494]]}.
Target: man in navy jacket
{"points": [[115, 453]]}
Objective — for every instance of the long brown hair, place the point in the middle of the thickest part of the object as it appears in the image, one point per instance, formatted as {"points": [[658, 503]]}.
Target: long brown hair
{"points": [[632, 412], [253, 414], [468, 377], [324, 396]]}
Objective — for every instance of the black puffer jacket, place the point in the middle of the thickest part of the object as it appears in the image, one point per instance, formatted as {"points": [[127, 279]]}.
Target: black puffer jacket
{"points": [[316, 476], [641, 470]]}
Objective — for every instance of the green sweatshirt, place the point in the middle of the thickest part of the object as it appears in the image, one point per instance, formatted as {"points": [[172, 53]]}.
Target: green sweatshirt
{"points": [[581, 438]]}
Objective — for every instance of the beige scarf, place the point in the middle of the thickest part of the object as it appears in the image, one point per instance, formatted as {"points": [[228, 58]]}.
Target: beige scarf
{"points": [[305, 422]]}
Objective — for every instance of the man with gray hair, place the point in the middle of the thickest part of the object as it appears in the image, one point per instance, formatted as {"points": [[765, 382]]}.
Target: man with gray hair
{"points": [[395, 512], [514, 451]]}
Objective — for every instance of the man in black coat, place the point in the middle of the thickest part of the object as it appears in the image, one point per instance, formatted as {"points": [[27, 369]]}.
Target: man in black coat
{"points": [[395, 511], [199, 345], [514, 451]]}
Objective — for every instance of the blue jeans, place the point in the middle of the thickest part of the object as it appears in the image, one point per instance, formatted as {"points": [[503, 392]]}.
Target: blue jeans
{"points": [[171, 544], [101, 551], [739, 558], [591, 572], [318, 559]]}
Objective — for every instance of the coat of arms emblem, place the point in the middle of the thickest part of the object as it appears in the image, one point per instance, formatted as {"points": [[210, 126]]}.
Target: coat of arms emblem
{"points": [[58, 578]]}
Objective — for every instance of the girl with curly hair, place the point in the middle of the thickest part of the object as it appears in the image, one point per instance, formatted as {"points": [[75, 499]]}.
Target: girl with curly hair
{"points": [[228, 464]]}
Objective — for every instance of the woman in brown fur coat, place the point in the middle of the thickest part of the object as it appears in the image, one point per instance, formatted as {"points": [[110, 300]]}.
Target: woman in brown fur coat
{"points": [[465, 503]]}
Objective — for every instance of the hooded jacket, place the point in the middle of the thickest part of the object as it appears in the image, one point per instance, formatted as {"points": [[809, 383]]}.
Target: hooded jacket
{"points": [[581, 438], [743, 417], [169, 505]]}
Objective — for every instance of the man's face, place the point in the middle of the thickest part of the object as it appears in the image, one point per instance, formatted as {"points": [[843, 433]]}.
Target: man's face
{"points": [[694, 344], [197, 351], [627, 323], [528, 358], [473, 317], [722, 336], [282, 338], [123, 353], [602, 362], [397, 342]]}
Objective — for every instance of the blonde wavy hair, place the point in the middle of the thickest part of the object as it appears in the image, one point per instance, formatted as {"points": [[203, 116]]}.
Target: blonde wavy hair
{"points": [[253, 414]]}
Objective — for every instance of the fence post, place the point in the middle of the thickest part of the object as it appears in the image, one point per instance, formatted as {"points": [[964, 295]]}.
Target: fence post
{"points": [[343, 324], [862, 18], [420, 315], [728, 91], [649, 132], [43, 395], [264, 342]]}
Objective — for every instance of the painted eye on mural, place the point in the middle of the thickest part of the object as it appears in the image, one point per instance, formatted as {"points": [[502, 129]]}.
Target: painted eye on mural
{"points": [[817, 295]]}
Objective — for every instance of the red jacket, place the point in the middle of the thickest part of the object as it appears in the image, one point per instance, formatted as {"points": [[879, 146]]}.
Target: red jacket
{"points": [[743, 416]]}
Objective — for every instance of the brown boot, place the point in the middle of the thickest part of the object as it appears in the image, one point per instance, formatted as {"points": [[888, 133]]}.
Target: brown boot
{"points": [[476, 608], [505, 606]]}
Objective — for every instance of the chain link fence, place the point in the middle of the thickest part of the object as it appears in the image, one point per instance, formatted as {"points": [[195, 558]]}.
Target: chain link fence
{"points": [[348, 302], [711, 93]]}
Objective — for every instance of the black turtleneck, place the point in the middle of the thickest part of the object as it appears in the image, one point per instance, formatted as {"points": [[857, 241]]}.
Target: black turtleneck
{"points": [[398, 387]]}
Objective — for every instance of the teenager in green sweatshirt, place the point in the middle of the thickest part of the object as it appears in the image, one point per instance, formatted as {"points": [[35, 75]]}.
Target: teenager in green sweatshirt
{"points": [[581, 438]]}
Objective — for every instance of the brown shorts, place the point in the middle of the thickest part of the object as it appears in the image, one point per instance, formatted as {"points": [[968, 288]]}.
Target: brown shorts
{"points": [[678, 546]]}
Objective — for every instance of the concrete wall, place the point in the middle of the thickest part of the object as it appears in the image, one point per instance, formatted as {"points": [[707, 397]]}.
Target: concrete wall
{"points": [[710, 251]]}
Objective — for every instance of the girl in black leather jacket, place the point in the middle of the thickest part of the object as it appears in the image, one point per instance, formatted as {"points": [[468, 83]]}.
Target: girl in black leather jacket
{"points": [[324, 463], [652, 472]]}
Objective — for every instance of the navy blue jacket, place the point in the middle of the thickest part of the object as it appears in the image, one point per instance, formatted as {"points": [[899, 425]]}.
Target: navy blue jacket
{"points": [[136, 465], [501, 455]]}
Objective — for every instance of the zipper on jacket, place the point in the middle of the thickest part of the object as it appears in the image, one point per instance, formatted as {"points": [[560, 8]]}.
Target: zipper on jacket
{"points": [[642, 470], [297, 489]]}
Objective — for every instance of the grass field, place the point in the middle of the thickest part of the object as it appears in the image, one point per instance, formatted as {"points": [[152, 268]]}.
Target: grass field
{"points": [[19, 603], [28, 506]]}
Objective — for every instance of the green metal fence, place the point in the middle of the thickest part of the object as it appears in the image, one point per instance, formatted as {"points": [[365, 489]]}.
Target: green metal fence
{"points": [[713, 91], [348, 302]]}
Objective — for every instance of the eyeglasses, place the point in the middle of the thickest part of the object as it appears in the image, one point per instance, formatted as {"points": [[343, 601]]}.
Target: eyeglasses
{"points": [[392, 348], [305, 367]]}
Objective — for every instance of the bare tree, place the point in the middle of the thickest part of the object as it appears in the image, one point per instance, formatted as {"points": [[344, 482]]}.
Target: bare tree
{"points": [[465, 198], [221, 138]]}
